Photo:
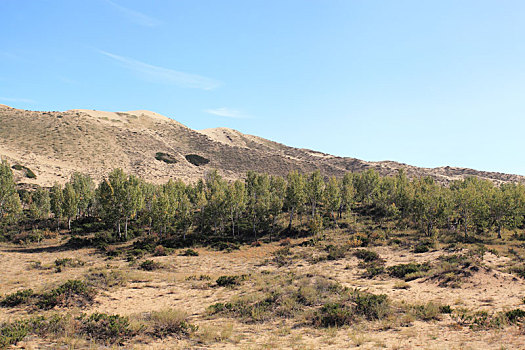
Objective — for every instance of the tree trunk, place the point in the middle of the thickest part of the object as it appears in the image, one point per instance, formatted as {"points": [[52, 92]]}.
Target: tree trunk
{"points": [[291, 219], [126, 229], [69, 224], [118, 230], [499, 231]]}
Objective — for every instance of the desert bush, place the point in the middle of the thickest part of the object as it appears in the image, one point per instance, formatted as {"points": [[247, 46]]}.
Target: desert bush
{"points": [[149, 265], [17, 298], [371, 306], [229, 281], [106, 279], [366, 255], [67, 262], [109, 329], [168, 322], [189, 252], [12, 333], [514, 316], [336, 252], [423, 247], [333, 315], [408, 271], [71, 293], [426, 312]]}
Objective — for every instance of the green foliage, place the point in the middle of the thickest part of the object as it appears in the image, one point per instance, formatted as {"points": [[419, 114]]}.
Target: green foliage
{"points": [[12, 333], [10, 206], [17, 298], [150, 265], [229, 281], [196, 160], [333, 315], [366, 255], [189, 252], [371, 306], [109, 329], [71, 293], [405, 270], [28, 172]]}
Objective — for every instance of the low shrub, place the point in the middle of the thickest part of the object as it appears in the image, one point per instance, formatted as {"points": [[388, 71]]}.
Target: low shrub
{"points": [[110, 329], [168, 322], [12, 333], [366, 255], [189, 252], [371, 306], [150, 265], [228, 281], [408, 271], [17, 298], [336, 252], [333, 315], [71, 293]]}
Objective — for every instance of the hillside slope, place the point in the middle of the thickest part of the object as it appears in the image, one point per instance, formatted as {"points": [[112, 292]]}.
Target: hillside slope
{"points": [[55, 144]]}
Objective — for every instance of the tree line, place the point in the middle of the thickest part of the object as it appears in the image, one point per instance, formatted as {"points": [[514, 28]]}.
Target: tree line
{"points": [[264, 204]]}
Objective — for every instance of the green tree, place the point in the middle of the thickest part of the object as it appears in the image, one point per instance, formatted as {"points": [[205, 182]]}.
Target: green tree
{"points": [[314, 190], [295, 194], [40, 206], [70, 203], [333, 198], [347, 194], [235, 201], [85, 189], [276, 199], [10, 206], [57, 202]]}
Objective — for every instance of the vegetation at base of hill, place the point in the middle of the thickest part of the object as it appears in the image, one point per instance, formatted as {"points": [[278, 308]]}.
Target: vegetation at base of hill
{"points": [[223, 214]]}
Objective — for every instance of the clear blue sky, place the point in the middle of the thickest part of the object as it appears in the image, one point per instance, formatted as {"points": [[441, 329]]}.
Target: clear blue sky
{"points": [[428, 83]]}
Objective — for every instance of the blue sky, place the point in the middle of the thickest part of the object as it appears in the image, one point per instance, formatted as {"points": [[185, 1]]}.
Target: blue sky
{"points": [[427, 83]]}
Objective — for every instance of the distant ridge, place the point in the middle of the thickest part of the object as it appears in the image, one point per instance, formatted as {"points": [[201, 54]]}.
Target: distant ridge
{"points": [[157, 148]]}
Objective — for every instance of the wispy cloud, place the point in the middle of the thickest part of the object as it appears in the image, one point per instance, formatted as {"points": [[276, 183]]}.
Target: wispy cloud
{"points": [[164, 75], [227, 112], [136, 16], [15, 99]]}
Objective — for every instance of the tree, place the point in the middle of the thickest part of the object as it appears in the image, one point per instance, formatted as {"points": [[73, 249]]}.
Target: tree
{"points": [[111, 195], [85, 190], [10, 206], [40, 204], [276, 198], [314, 190], [347, 194], [70, 203], [57, 202], [295, 194], [133, 200], [431, 204], [235, 201], [333, 198], [257, 190], [470, 202], [367, 186]]}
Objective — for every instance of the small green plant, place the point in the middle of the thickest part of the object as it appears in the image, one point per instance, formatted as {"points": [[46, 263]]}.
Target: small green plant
{"points": [[372, 306], [17, 298], [366, 255], [150, 265], [408, 271], [72, 292], [189, 252], [333, 315], [229, 281], [109, 329]]}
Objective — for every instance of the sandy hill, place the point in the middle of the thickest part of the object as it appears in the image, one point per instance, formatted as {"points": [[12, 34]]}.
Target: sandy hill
{"points": [[55, 144]]}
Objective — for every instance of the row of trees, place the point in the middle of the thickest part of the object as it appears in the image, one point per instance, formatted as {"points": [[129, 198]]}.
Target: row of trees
{"points": [[255, 203]]}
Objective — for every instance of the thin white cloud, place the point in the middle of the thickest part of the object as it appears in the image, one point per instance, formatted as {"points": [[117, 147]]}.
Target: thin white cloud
{"points": [[163, 75], [227, 112], [15, 99], [136, 16]]}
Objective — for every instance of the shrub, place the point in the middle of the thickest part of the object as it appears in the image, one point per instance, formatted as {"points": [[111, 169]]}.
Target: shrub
{"points": [[68, 262], [12, 333], [335, 252], [228, 281], [372, 306], [150, 265], [402, 270], [160, 251], [72, 292], [366, 255], [17, 298], [109, 329], [106, 279], [165, 157], [189, 252], [169, 322], [333, 315], [196, 159], [515, 315]]}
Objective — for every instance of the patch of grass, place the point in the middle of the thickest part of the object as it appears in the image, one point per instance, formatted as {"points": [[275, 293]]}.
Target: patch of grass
{"points": [[196, 160], [106, 279], [17, 298], [168, 322], [166, 158]]}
